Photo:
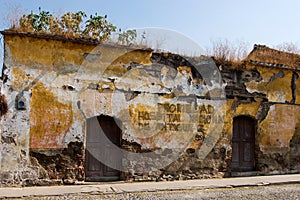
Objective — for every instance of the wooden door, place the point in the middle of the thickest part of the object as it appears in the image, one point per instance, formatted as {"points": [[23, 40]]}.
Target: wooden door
{"points": [[98, 128], [243, 144]]}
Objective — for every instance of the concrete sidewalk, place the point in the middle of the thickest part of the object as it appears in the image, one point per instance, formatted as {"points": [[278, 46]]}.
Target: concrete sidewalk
{"points": [[120, 187]]}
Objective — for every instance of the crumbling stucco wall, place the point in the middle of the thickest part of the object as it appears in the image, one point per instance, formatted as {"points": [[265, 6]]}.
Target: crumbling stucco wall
{"points": [[169, 105], [266, 87]]}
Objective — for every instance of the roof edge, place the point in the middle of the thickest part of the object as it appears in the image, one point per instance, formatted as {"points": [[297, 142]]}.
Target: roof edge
{"points": [[81, 40], [263, 55]]}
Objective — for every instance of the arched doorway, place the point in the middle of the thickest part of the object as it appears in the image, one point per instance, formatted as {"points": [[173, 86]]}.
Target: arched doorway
{"points": [[98, 128], [243, 144]]}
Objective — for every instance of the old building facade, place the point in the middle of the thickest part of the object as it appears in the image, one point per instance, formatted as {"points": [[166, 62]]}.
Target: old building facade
{"points": [[79, 110]]}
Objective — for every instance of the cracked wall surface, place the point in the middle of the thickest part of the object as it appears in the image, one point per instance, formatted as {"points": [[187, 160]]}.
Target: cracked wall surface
{"points": [[168, 105]]}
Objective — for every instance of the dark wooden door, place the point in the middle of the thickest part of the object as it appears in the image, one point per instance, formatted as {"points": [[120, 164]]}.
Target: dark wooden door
{"points": [[97, 149], [243, 144]]}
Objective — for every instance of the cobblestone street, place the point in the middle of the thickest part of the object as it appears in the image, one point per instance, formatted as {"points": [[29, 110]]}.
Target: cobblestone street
{"points": [[286, 192]]}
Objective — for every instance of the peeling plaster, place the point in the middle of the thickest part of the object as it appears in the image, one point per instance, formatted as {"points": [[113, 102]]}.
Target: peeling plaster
{"points": [[164, 101]]}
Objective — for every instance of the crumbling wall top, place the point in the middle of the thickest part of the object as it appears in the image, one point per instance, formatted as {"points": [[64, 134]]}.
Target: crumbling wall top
{"points": [[265, 56]]}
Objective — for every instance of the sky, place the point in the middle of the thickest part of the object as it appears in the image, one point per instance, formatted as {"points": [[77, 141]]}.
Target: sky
{"points": [[269, 22]]}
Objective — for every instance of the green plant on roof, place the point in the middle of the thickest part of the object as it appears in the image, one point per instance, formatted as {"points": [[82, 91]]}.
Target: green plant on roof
{"points": [[36, 22], [126, 37], [99, 28], [74, 25], [71, 22]]}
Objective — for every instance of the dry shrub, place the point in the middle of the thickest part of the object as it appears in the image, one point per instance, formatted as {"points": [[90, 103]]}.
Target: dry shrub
{"points": [[225, 51], [289, 47], [13, 13]]}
